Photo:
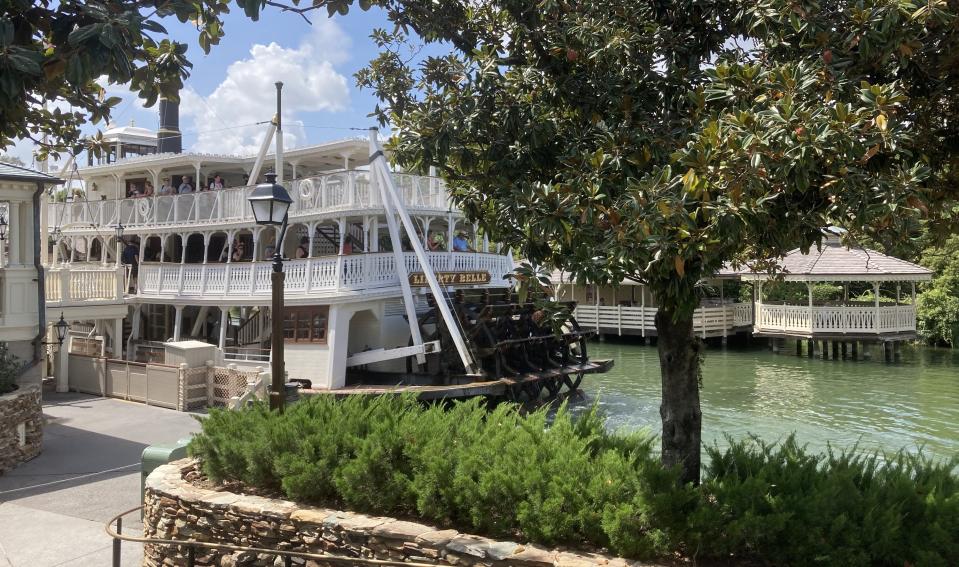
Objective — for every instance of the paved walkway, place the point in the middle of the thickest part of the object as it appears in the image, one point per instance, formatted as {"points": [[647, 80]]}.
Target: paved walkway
{"points": [[53, 508]]}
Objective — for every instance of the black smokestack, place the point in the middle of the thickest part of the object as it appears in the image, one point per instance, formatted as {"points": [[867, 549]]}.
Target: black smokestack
{"points": [[168, 136]]}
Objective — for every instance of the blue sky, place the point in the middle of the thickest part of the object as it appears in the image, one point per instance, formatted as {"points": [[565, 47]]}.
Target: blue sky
{"points": [[232, 87]]}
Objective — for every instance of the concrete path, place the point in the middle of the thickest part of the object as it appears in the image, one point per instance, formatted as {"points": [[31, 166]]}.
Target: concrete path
{"points": [[53, 508]]}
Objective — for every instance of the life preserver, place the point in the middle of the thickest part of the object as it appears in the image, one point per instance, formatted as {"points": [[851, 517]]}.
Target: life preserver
{"points": [[143, 207]]}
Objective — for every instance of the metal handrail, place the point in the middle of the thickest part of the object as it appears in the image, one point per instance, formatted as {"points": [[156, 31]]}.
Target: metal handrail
{"points": [[191, 546]]}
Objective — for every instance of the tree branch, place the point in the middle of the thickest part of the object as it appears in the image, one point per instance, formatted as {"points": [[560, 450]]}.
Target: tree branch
{"points": [[295, 9]]}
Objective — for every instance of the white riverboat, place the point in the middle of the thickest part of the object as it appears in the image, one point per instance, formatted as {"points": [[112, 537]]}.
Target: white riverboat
{"points": [[386, 281]]}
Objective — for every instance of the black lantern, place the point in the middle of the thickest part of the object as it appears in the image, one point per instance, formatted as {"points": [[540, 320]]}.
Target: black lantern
{"points": [[3, 227], [61, 328], [270, 202], [119, 230]]}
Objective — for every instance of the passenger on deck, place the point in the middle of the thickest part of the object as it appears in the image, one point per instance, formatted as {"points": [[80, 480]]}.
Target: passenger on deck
{"points": [[239, 251], [460, 243], [148, 189], [303, 250], [185, 186], [437, 242], [217, 183], [165, 188]]}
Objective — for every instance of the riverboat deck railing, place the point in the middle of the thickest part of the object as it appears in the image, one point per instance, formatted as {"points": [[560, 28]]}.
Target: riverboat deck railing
{"points": [[77, 285], [330, 193], [715, 320], [838, 319], [328, 274]]}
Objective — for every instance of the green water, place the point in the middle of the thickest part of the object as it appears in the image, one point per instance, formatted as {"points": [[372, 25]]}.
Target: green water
{"points": [[753, 391]]}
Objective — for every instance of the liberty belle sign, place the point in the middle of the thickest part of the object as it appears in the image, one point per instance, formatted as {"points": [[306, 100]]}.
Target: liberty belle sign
{"points": [[418, 279]]}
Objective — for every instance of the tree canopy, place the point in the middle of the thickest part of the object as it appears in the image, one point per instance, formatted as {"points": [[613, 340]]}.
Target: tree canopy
{"points": [[55, 57], [658, 141]]}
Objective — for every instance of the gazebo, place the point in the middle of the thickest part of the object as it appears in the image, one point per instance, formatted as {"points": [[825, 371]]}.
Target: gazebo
{"points": [[843, 321]]}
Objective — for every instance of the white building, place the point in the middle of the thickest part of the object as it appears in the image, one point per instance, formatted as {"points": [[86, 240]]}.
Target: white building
{"points": [[23, 317]]}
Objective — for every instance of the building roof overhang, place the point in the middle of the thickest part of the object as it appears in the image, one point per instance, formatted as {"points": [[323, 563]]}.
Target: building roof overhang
{"points": [[11, 172]]}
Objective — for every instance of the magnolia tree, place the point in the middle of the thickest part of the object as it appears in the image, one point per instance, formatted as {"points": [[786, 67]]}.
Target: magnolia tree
{"points": [[56, 57], [658, 141]]}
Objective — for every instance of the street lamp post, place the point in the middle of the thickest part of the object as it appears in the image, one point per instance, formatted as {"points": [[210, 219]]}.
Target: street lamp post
{"points": [[270, 203], [119, 230]]}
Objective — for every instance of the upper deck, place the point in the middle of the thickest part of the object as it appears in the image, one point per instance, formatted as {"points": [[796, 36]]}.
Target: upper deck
{"points": [[344, 193]]}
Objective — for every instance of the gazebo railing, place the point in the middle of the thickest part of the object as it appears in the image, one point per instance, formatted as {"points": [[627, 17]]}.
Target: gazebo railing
{"points": [[837, 319]]}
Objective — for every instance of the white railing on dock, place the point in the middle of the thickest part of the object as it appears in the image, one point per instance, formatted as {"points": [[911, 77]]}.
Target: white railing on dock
{"points": [[839, 319], [306, 276], [707, 321], [80, 285], [344, 191]]}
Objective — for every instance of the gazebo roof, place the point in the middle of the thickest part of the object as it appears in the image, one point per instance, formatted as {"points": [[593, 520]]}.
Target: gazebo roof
{"points": [[835, 262]]}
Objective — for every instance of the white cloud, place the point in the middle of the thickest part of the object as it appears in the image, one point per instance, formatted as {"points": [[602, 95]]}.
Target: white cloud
{"points": [[247, 94]]}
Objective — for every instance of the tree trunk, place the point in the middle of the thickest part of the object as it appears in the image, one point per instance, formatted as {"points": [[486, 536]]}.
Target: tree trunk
{"points": [[682, 419]]}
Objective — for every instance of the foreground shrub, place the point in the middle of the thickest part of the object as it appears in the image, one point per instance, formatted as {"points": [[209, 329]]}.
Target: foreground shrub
{"points": [[568, 481], [843, 508], [497, 472]]}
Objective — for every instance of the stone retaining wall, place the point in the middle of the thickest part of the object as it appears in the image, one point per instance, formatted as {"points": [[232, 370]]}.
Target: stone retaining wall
{"points": [[177, 509], [21, 426]]}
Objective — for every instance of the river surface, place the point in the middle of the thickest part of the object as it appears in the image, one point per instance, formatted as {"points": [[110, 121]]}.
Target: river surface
{"points": [[750, 390]]}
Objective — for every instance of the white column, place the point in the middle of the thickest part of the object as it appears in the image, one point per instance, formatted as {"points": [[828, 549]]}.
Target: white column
{"points": [[375, 231], [26, 233], [144, 240], [206, 246], [341, 223], [875, 322], [337, 339], [426, 222], [118, 338], [177, 322], [63, 366], [450, 229], [311, 228], [223, 322], [15, 242], [228, 246]]}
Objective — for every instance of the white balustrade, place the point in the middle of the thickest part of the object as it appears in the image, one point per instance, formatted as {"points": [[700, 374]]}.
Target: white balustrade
{"points": [[344, 191], [328, 274], [838, 319], [707, 321], [76, 286]]}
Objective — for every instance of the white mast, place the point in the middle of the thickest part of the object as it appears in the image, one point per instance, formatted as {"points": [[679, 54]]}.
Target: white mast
{"points": [[279, 135], [379, 166]]}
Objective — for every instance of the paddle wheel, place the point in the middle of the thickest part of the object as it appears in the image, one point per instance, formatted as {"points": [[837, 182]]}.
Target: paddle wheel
{"points": [[511, 344]]}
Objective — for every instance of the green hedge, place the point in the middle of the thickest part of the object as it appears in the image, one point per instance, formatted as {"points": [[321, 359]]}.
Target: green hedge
{"points": [[568, 481]]}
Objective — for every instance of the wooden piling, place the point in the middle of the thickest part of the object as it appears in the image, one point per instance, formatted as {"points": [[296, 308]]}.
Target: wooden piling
{"points": [[845, 350], [835, 350]]}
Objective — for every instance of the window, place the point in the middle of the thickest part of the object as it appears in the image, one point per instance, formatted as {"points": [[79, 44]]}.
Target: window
{"points": [[306, 324]]}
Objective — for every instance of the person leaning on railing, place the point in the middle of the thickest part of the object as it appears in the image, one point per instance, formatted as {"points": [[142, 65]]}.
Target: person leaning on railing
{"points": [[165, 188], [461, 244]]}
